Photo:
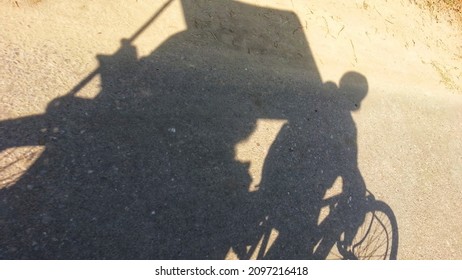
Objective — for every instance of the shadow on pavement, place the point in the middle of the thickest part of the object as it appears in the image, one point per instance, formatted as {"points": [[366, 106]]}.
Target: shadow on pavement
{"points": [[148, 169]]}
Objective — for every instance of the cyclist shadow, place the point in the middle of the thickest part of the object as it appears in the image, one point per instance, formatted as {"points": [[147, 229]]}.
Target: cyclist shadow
{"points": [[148, 169], [314, 150]]}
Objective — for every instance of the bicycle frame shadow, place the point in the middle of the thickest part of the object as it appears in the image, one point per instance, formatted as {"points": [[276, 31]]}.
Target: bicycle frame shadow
{"points": [[148, 170]]}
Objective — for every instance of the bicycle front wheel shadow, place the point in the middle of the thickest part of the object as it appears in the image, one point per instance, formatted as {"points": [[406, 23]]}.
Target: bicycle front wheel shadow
{"points": [[377, 237]]}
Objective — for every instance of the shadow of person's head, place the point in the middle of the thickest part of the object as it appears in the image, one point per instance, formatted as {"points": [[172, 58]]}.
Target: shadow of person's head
{"points": [[354, 87]]}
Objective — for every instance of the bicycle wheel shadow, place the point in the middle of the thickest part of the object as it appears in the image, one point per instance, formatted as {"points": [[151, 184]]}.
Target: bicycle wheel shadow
{"points": [[148, 169]]}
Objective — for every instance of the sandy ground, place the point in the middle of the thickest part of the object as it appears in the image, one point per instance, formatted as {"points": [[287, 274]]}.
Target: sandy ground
{"points": [[408, 128]]}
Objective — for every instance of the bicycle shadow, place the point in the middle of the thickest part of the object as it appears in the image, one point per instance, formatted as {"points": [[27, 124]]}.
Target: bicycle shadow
{"points": [[148, 169]]}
